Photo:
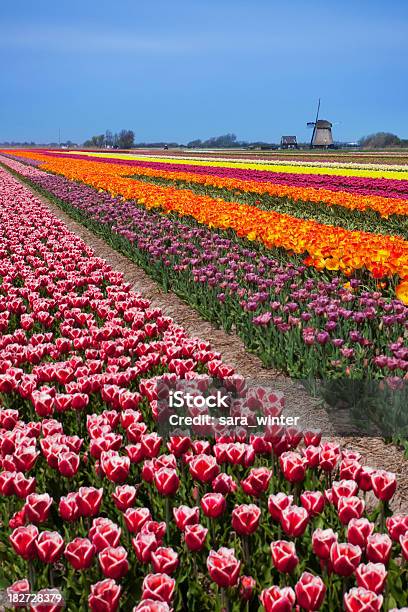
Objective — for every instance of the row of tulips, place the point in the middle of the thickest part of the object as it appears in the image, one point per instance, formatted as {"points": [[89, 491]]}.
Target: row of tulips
{"points": [[284, 168], [95, 503], [387, 188], [293, 319], [333, 248], [358, 157], [351, 219], [368, 196], [267, 182]]}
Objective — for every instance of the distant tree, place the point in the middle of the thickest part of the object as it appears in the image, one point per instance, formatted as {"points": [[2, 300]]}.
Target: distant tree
{"points": [[126, 139], [379, 140], [108, 139], [194, 144]]}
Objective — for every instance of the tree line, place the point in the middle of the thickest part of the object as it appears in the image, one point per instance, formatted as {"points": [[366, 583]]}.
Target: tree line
{"points": [[382, 140], [125, 139]]}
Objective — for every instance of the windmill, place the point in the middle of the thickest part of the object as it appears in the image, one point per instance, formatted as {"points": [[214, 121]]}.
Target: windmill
{"points": [[322, 135]]}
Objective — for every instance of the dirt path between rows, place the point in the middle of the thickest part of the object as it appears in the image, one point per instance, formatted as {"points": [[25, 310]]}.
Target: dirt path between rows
{"points": [[297, 401]]}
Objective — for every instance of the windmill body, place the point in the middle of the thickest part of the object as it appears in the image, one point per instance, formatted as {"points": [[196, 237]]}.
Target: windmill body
{"points": [[322, 136]]}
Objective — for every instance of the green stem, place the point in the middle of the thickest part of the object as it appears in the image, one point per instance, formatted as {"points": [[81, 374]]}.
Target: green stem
{"points": [[168, 515], [31, 576], [51, 576], [224, 600]]}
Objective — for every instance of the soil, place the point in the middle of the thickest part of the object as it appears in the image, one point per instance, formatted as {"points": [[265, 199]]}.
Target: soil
{"points": [[375, 452]]}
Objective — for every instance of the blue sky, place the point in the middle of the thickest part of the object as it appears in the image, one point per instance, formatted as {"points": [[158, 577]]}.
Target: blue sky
{"points": [[180, 69]]}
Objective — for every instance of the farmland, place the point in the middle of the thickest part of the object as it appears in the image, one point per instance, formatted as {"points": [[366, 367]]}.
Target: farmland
{"points": [[303, 257]]}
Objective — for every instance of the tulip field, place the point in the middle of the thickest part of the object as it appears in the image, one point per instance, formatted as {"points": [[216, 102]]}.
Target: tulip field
{"points": [[305, 258]]}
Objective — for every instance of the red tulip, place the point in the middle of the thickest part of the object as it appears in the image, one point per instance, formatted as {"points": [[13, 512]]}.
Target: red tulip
{"points": [[134, 433], [164, 560], [310, 591], [144, 544], [343, 488], [397, 525], [7, 482], [167, 481], [224, 483], [350, 469], [80, 553], [379, 547], [104, 596], [245, 519], [104, 533], [348, 453], [223, 567], [358, 599], [43, 403], [358, 531], [345, 558], [194, 536], [23, 540], [23, 486], [277, 503], [135, 518], [20, 586], [18, 519], [25, 458], [364, 478], [313, 502], [113, 562], [37, 508], [114, 466], [68, 507], [329, 456], [135, 454], [201, 447], [349, 508], [158, 529], [49, 546], [178, 445], [294, 521], [312, 437], [312, 455], [293, 466], [204, 468], [68, 464], [79, 401], [372, 577], [284, 556], [384, 484], [257, 482], [213, 504], [151, 444], [184, 515], [124, 497], [158, 587], [147, 470], [247, 587], [275, 599], [89, 500]]}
